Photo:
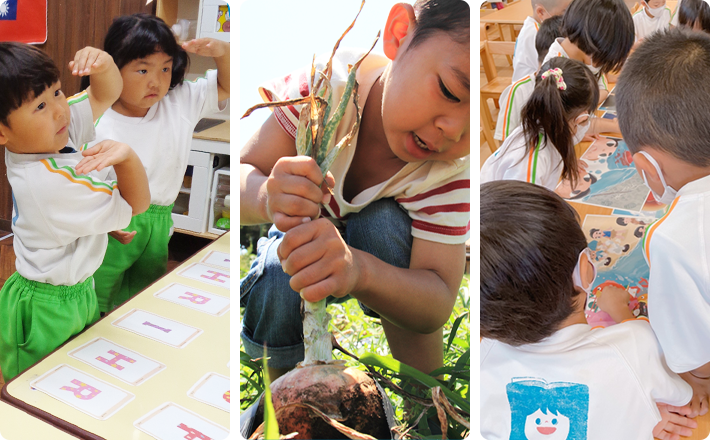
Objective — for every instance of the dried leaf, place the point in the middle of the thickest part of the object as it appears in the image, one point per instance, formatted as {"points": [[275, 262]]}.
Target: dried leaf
{"points": [[295, 101], [449, 408], [328, 66], [259, 431], [440, 412], [345, 430]]}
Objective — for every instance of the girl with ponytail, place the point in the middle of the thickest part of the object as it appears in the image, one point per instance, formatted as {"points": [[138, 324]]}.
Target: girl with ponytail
{"points": [[555, 118]]}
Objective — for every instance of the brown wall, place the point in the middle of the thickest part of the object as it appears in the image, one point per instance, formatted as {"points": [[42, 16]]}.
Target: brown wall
{"points": [[71, 25]]}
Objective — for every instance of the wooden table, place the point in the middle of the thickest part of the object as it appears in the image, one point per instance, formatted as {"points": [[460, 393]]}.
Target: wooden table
{"points": [[16, 424], [183, 366]]}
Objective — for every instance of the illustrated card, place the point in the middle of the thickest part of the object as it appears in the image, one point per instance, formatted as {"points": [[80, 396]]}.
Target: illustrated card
{"points": [[215, 258], [212, 389], [82, 391], [118, 361], [170, 421], [609, 104], [167, 331], [194, 298], [207, 274]]}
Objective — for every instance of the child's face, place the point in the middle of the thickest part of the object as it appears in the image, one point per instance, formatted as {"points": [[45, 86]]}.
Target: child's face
{"points": [[39, 125], [145, 82], [425, 101], [653, 4]]}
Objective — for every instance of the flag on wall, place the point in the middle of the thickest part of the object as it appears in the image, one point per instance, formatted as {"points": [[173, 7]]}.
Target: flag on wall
{"points": [[24, 21]]}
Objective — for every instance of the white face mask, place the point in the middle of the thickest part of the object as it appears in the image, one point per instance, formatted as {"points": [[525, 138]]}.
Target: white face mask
{"points": [[656, 12], [581, 130], [669, 194], [595, 70], [576, 275]]}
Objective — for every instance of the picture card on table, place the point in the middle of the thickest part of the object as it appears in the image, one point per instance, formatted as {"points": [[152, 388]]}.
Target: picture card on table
{"points": [[220, 259], [194, 298], [118, 361], [82, 391], [212, 389], [170, 421], [167, 331], [207, 274]]}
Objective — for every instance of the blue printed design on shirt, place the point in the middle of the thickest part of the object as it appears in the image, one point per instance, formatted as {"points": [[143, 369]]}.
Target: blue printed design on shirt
{"points": [[8, 9], [14, 208]]}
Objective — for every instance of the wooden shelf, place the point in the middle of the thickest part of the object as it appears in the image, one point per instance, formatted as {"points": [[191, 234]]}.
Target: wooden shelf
{"points": [[207, 235]]}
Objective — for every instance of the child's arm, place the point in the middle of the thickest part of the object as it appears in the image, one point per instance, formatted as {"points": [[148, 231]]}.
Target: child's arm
{"points": [[106, 82], [219, 50], [615, 301], [130, 174], [603, 125]]}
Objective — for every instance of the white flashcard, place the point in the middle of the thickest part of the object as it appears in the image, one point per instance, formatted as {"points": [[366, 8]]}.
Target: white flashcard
{"points": [[118, 361], [215, 258], [167, 331], [212, 389], [207, 274], [170, 421], [194, 298], [82, 391]]}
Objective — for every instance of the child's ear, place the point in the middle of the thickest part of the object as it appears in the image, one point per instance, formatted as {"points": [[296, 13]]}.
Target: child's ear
{"points": [[643, 164], [586, 271], [3, 135], [400, 23], [541, 13]]}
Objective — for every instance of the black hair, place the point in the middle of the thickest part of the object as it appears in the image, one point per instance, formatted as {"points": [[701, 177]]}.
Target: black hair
{"points": [[580, 194], [638, 233], [549, 30], [450, 16], [694, 12], [602, 29], [592, 231], [621, 221], [530, 244], [662, 96], [607, 261], [549, 109], [25, 73]]}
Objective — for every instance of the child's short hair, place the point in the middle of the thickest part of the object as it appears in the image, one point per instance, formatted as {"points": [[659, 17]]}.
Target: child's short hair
{"points": [[136, 36], [530, 244], [549, 30], [602, 29], [692, 12], [25, 72], [450, 16], [662, 95]]}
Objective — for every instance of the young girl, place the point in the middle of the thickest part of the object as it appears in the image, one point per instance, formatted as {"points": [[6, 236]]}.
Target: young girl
{"points": [[156, 115], [555, 118]]}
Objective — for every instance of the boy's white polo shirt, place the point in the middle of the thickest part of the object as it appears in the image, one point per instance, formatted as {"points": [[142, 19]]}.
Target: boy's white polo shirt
{"points": [[525, 56], [556, 50], [677, 249], [607, 378], [511, 103], [644, 25], [674, 17]]}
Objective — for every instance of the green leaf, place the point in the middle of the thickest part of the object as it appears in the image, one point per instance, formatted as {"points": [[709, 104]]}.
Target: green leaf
{"points": [[253, 383], [271, 425], [390, 363], [245, 360], [463, 360], [454, 328], [448, 370]]}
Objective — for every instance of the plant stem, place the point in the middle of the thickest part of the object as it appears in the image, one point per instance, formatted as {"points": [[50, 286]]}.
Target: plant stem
{"points": [[316, 338]]}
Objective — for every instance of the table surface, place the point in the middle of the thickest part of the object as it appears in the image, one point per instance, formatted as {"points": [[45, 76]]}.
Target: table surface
{"points": [[16, 424], [218, 133], [209, 352]]}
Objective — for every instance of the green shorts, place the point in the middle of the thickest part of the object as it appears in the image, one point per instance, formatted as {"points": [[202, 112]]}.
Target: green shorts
{"points": [[129, 268], [36, 318]]}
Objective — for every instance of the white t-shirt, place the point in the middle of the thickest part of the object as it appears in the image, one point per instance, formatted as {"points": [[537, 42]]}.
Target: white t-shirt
{"points": [[511, 103], [436, 194], [644, 25], [525, 56], [60, 218], [556, 50], [541, 166], [579, 383], [677, 250], [162, 138], [674, 18]]}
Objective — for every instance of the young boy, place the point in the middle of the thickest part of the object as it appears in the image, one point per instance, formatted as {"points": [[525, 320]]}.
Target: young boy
{"points": [[664, 123], [545, 373], [60, 215], [653, 17], [525, 59], [401, 195]]}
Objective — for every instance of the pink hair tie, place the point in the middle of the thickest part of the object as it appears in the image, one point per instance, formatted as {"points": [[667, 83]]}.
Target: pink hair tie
{"points": [[557, 73]]}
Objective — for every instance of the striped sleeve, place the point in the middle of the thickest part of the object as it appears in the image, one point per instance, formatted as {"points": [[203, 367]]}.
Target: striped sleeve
{"points": [[442, 214], [81, 121], [509, 116], [650, 230]]}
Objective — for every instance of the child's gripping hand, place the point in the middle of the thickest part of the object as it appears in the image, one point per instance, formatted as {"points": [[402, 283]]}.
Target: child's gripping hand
{"points": [[90, 61], [615, 301], [294, 192], [701, 387], [674, 422], [123, 237], [105, 153], [207, 47]]}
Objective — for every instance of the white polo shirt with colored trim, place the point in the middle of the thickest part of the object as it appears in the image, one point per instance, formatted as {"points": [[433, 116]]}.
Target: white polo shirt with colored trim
{"points": [[677, 248], [674, 17], [525, 56], [511, 103], [556, 50], [644, 25], [60, 218], [542, 165], [580, 383]]}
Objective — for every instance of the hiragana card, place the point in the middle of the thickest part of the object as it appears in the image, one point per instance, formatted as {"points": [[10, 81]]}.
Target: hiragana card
{"points": [[215, 258], [167, 331], [212, 389], [194, 298], [170, 421], [118, 361], [82, 391], [207, 274]]}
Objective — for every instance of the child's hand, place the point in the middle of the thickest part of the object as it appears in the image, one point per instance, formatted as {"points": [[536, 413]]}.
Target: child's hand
{"points": [[674, 422], [207, 47], [105, 153], [615, 301], [293, 193], [699, 403], [318, 260], [90, 61], [123, 237]]}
